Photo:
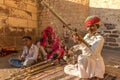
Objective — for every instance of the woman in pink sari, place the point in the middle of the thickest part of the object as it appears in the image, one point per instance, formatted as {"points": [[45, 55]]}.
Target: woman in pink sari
{"points": [[51, 44]]}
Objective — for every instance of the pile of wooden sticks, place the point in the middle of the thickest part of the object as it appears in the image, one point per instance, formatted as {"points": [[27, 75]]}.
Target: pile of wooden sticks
{"points": [[30, 71]]}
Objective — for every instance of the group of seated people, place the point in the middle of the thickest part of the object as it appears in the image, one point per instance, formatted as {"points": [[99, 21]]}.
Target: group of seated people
{"points": [[47, 48], [90, 63]]}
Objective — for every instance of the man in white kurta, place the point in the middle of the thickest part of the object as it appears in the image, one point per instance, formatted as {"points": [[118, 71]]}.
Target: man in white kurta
{"points": [[90, 63]]}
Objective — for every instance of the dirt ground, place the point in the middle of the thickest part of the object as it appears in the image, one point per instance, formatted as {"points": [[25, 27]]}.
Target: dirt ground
{"points": [[111, 58]]}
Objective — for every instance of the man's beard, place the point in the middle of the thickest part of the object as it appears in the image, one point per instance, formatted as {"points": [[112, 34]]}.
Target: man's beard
{"points": [[91, 31]]}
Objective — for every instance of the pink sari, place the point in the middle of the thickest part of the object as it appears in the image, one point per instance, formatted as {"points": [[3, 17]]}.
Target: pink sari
{"points": [[55, 43]]}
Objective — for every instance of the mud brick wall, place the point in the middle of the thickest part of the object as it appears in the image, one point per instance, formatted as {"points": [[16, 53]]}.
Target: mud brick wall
{"points": [[109, 11], [17, 18]]}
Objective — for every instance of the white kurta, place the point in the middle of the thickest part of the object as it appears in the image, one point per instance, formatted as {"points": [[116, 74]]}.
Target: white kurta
{"points": [[90, 62]]}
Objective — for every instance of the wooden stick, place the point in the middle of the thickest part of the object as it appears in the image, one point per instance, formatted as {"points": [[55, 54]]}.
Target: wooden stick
{"points": [[28, 71]]}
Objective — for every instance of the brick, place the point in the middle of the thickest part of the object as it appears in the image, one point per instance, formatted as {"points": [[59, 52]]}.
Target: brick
{"points": [[4, 9], [20, 32], [110, 40], [105, 43], [7, 41], [115, 31], [118, 40], [113, 44], [1, 1], [115, 36], [31, 9], [19, 43], [32, 24], [17, 22], [20, 14], [107, 31], [31, 2], [1, 31], [34, 16], [10, 31], [31, 32], [10, 3], [17, 4], [109, 26]]}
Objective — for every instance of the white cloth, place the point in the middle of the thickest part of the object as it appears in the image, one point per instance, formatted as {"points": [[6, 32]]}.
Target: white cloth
{"points": [[30, 54], [90, 62]]}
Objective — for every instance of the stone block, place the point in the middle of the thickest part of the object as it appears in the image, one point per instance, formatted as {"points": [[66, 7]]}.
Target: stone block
{"points": [[16, 3], [107, 31], [109, 26], [115, 36], [32, 24], [7, 41], [11, 3], [1, 1], [13, 21], [110, 39], [31, 9], [113, 44], [20, 13], [31, 32], [22, 23], [34, 16], [19, 43], [17, 22], [4, 10], [1, 31], [115, 31], [31, 2], [10, 31]]}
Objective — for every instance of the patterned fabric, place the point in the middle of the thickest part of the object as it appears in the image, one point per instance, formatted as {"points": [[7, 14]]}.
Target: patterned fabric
{"points": [[54, 44], [92, 20]]}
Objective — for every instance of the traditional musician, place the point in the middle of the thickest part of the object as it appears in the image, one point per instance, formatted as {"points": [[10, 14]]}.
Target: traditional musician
{"points": [[29, 55], [51, 45], [90, 63]]}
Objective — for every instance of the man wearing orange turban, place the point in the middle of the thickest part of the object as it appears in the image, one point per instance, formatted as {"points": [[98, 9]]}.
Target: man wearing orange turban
{"points": [[90, 63]]}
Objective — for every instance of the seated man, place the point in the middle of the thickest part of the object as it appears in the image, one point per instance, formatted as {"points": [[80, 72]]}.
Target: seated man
{"points": [[29, 55], [90, 63], [51, 45]]}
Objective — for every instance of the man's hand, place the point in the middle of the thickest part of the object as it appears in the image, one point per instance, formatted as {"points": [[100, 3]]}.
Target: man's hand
{"points": [[21, 58], [70, 51]]}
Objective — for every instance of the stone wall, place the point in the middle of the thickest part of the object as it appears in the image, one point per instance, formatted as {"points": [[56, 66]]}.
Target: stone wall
{"points": [[17, 18], [29, 17], [109, 11], [73, 12]]}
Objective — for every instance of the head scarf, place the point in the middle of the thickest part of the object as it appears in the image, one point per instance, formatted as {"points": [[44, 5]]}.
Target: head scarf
{"points": [[45, 31], [92, 20], [55, 40], [55, 43]]}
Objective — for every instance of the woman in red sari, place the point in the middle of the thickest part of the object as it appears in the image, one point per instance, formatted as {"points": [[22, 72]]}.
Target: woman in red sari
{"points": [[51, 44]]}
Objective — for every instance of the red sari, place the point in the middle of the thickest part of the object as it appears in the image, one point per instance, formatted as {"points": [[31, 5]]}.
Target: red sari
{"points": [[54, 43]]}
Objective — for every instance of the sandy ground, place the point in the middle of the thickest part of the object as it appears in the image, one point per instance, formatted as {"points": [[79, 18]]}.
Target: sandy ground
{"points": [[111, 58]]}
